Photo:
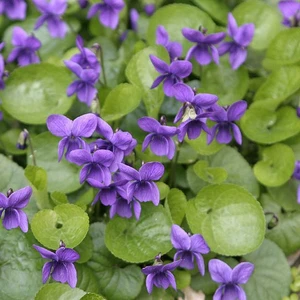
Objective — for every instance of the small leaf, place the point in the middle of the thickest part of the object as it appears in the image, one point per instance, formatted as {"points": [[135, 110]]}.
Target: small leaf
{"points": [[183, 279], [163, 189], [176, 203], [86, 279], [9, 141], [58, 198]]}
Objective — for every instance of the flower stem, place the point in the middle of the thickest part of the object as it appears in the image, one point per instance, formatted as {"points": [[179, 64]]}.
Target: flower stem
{"points": [[172, 176], [31, 148], [102, 66]]}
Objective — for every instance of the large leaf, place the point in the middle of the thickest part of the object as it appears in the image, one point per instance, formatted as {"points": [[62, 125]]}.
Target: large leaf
{"points": [[176, 203], [34, 92]]}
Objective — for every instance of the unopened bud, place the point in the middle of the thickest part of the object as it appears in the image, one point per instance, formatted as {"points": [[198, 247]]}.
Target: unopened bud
{"points": [[9, 192], [22, 140]]}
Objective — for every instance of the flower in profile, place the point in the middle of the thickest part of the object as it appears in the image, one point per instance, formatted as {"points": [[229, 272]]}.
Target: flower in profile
{"points": [[71, 132], [25, 47], [225, 127], [160, 137], [61, 267], [84, 87], [11, 206], [108, 12], [13, 9], [205, 50], [52, 15], [162, 38], [149, 9], [296, 175], [170, 74], [160, 275], [141, 184], [230, 279], [242, 37], [134, 17], [3, 73], [290, 10], [189, 248]]}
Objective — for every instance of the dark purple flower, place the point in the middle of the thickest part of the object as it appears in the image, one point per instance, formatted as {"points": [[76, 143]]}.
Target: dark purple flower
{"points": [[25, 48], [171, 74], [84, 87], [160, 137], [204, 51], [142, 186], [14, 9], [96, 164], [72, 132], [225, 127], [134, 17], [2, 68], [189, 248], [52, 15], [86, 58], [61, 267], [242, 37], [149, 9], [162, 38], [83, 3], [290, 10], [160, 275], [230, 279], [296, 175], [108, 12], [11, 206]]}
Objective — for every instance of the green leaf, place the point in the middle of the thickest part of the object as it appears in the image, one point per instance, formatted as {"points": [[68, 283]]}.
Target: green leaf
{"points": [[157, 294], [283, 50], [66, 222], [34, 92], [20, 265], [59, 291], [280, 84], [187, 154], [176, 203], [229, 218], [141, 73], [229, 85], [271, 277], [195, 183], [86, 280], [266, 19], [163, 189], [267, 127], [58, 198], [85, 250], [122, 100], [115, 281], [183, 279], [140, 240], [90, 296], [174, 17], [277, 165], [8, 142], [208, 174], [62, 176]]}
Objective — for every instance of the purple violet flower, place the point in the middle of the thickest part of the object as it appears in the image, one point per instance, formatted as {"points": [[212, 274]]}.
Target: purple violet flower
{"points": [[2, 68], [72, 132], [61, 267], [204, 51], [83, 3], [52, 15], [189, 248], [96, 164], [230, 279], [171, 74], [162, 38], [142, 186], [290, 10], [12, 205], [225, 127], [149, 9], [160, 275], [13, 9], [160, 137], [84, 87], [108, 12], [25, 48], [296, 175], [134, 17], [242, 37]]}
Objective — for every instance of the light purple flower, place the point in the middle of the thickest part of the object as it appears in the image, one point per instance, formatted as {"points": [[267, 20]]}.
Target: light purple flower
{"points": [[296, 175], [162, 38], [134, 17], [61, 267], [84, 87], [230, 279], [189, 248], [3, 73], [290, 10], [108, 11], [13, 9], [204, 51], [72, 132], [225, 127], [25, 47], [160, 275], [242, 37], [171, 74], [11, 206], [52, 15], [142, 186], [160, 137], [149, 9]]}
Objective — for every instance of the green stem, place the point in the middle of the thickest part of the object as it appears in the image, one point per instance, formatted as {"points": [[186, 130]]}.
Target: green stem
{"points": [[31, 148], [103, 67], [172, 176]]}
